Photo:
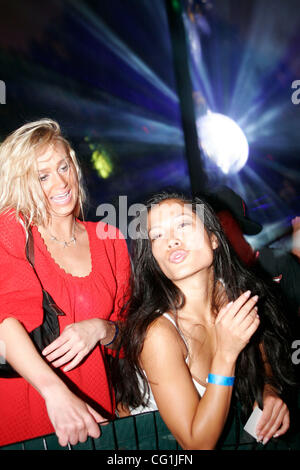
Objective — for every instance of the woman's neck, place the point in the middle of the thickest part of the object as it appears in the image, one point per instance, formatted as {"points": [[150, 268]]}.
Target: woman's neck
{"points": [[61, 227], [198, 292]]}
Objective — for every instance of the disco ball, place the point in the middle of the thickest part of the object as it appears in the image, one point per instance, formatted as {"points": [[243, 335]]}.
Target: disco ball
{"points": [[223, 141]]}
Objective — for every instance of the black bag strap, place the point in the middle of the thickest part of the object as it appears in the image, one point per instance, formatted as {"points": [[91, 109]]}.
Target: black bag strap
{"points": [[29, 249]]}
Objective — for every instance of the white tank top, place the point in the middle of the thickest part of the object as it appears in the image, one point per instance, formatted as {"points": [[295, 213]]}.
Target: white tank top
{"points": [[152, 406]]}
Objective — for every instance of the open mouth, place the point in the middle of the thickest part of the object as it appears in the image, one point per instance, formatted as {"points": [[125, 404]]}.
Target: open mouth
{"points": [[178, 256], [62, 198]]}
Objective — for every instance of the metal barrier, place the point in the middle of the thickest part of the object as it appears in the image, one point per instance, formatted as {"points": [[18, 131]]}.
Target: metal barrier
{"points": [[148, 431]]}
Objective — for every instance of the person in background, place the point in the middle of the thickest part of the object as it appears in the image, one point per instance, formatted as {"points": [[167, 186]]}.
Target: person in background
{"points": [[200, 324], [66, 389], [296, 237], [232, 212], [282, 267]]}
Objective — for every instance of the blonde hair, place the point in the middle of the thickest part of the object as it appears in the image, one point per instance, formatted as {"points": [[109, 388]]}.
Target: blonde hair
{"points": [[20, 187]]}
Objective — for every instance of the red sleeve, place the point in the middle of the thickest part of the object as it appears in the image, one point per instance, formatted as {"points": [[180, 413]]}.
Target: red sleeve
{"points": [[20, 291], [122, 277], [236, 237], [123, 269]]}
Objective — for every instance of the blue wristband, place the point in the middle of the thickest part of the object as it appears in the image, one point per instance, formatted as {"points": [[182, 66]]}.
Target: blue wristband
{"points": [[220, 380], [115, 335]]}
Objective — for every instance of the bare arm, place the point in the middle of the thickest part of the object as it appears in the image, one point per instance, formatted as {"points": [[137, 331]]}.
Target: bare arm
{"points": [[296, 237], [275, 419], [196, 423], [72, 419], [78, 339]]}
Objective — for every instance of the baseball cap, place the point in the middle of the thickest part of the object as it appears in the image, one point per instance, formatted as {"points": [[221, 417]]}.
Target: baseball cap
{"points": [[224, 198]]}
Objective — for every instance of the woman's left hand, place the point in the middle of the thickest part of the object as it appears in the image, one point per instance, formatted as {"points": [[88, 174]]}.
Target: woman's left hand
{"points": [[275, 419], [75, 342]]}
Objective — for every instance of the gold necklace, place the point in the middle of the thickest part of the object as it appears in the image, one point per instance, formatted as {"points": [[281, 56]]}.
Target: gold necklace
{"points": [[64, 242]]}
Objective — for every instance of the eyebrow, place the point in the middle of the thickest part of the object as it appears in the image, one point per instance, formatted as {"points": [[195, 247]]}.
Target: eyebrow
{"points": [[58, 163], [176, 217]]}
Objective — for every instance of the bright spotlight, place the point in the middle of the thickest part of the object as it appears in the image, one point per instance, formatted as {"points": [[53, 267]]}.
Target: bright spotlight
{"points": [[223, 141]]}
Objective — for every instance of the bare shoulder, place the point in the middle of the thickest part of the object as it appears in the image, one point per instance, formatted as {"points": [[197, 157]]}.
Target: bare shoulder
{"points": [[162, 339]]}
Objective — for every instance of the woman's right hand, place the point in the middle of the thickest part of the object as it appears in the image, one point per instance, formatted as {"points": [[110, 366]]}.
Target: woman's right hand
{"points": [[73, 419], [235, 324]]}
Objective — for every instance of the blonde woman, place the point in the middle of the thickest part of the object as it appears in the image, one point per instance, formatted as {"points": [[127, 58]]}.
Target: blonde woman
{"points": [[65, 389]]}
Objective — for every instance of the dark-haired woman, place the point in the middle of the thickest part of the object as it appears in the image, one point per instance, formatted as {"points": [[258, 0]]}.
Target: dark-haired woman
{"points": [[199, 322]]}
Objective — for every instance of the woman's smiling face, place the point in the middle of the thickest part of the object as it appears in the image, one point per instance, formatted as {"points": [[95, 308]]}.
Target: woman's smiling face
{"points": [[58, 179], [180, 243]]}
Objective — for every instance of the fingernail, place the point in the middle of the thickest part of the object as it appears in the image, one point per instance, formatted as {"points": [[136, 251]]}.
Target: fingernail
{"points": [[260, 438], [247, 293], [265, 440], [276, 435], [230, 303], [255, 298]]}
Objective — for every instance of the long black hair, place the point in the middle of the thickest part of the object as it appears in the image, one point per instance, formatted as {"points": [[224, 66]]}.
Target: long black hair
{"points": [[152, 294]]}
